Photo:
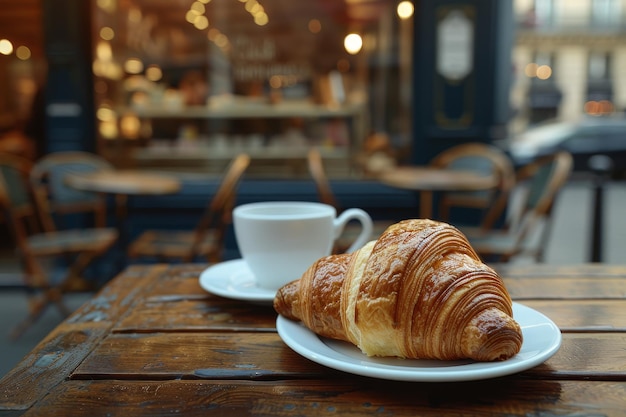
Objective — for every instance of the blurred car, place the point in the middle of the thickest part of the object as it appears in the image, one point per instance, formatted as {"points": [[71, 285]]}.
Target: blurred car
{"points": [[583, 139]]}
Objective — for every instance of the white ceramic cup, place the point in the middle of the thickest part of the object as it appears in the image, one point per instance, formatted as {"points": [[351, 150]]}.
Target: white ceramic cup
{"points": [[279, 240]]}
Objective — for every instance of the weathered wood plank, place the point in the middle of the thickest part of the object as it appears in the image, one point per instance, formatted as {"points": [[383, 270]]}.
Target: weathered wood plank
{"points": [[541, 288], [178, 349], [176, 301], [586, 270], [179, 313], [52, 361], [584, 355], [55, 357], [196, 355], [209, 313], [264, 355], [337, 397], [583, 315]]}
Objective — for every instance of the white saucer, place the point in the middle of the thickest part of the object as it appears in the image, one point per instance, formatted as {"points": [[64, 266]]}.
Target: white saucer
{"points": [[233, 279], [542, 339]]}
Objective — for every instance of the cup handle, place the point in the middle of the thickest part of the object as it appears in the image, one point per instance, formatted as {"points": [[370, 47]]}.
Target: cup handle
{"points": [[367, 227]]}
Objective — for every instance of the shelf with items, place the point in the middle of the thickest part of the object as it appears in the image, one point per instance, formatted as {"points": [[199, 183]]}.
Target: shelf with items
{"points": [[232, 107], [280, 133], [273, 162]]}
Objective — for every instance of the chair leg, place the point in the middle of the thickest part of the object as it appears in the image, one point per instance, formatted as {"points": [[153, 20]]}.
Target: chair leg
{"points": [[74, 280], [38, 303]]}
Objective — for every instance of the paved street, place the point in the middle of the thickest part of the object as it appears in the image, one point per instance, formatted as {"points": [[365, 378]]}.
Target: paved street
{"points": [[570, 240]]}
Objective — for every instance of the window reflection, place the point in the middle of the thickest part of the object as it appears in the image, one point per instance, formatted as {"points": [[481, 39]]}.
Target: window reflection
{"points": [[270, 77]]}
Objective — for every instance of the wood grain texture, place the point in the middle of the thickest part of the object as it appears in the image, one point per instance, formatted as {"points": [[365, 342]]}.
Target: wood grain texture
{"points": [[587, 270], [336, 397], [154, 343], [584, 315], [259, 355], [178, 313], [551, 288], [196, 355], [55, 357]]}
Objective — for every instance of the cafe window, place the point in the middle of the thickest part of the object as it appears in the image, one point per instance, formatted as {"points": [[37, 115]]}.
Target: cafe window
{"points": [[599, 99], [605, 13], [599, 68], [545, 14], [186, 85]]}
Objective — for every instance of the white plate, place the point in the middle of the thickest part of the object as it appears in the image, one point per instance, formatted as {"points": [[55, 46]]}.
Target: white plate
{"points": [[542, 338], [233, 279]]}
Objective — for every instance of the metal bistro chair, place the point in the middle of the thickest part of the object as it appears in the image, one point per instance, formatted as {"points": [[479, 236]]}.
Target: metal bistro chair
{"points": [[483, 158], [48, 180], [53, 260], [326, 196], [530, 207], [208, 238]]}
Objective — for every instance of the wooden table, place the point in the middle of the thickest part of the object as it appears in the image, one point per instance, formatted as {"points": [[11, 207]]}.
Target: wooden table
{"points": [[152, 342], [425, 180], [122, 184]]}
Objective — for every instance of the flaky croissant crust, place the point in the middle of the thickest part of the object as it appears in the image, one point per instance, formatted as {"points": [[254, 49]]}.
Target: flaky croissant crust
{"points": [[419, 291]]}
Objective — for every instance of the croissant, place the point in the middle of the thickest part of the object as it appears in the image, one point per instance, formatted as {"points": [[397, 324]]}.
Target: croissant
{"points": [[420, 291]]}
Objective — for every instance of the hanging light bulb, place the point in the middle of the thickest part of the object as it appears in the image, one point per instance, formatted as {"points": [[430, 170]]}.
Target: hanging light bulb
{"points": [[353, 43], [405, 9]]}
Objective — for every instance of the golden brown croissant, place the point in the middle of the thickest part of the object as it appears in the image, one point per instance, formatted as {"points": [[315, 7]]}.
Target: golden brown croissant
{"points": [[419, 291]]}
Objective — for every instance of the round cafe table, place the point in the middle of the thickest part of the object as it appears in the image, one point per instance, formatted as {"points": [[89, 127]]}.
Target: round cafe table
{"points": [[427, 180], [124, 182]]}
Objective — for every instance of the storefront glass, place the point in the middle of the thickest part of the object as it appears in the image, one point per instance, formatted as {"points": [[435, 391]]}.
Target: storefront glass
{"points": [[186, 85]]}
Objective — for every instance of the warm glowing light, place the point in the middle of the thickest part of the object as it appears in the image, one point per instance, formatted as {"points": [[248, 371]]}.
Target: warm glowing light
{"points": [[106, 5], [130, 125], [257, 12], [106, 114], [315, 26], [23, 52], [190, 16], [139, 98], [154, 73], [133, 66], [108, 130], [201, 22], [6, 47], [405, 9], [261, 19], [531, 70], [135, 15], [275, 81], [221, 40], [213, 33], [108, 69], [107, 33], [103, 51], [599, 108], [198, 7], [353, 43], [544, 72]]}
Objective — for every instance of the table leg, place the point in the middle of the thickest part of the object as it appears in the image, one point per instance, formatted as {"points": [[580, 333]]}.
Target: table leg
{"points": [[426, 204], [121, 219]]}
